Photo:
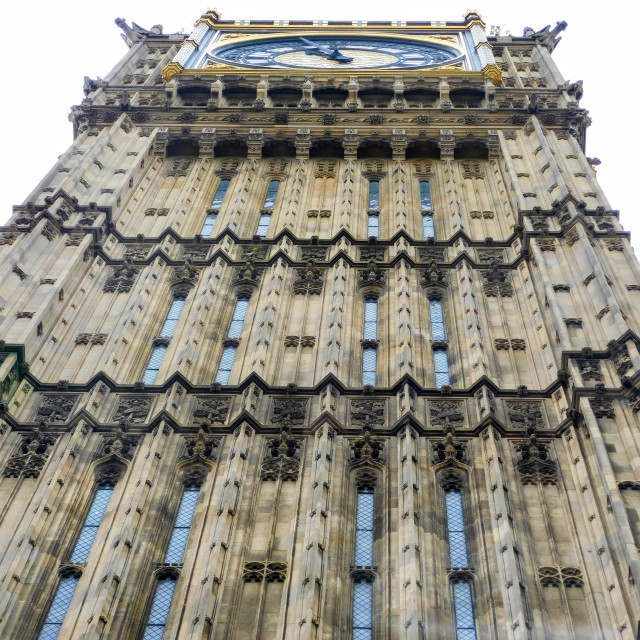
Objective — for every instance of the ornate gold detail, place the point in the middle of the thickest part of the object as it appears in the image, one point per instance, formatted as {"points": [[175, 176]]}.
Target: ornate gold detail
{"points": [[172, 69], [493, 72]]}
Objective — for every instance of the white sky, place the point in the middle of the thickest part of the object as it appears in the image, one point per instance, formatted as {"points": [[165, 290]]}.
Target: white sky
{"points": [[51, 46]]}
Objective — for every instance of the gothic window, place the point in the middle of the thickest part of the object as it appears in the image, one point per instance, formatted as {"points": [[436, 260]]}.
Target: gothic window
{"points": [[374, 195], [182, 526], [428, 229], [79, 555], [438, 336], [166, 333], [373, 225], [362, 584], [373, 219], [154, 629], [233, 336], [92, 522], [272, 193], [369, 347], [263, 224], [59, 607], [425, 196], [459, 559], [212, 214]]}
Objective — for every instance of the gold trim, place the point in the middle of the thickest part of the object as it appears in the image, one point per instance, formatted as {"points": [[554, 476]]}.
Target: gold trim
{"points": [[171, 70], [493, 72]]}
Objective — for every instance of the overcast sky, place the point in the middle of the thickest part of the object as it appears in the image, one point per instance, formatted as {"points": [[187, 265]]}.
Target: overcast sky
{"points": [[51, 46]]}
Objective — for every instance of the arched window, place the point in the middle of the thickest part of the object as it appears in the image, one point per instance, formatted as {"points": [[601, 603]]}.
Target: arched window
{"points": [[232, 341]]}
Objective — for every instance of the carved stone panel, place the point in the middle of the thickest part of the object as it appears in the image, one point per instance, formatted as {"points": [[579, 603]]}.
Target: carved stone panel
{"points": [[367, 413], [211, 410], [121, 279], [524, 415], [133, 409], [445, 414], [282, 459], [289, 411], [29, 460], [55, 409], [308, 280]]}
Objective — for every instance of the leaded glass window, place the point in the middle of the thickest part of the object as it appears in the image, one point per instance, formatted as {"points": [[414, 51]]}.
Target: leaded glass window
{"points": [[374, 195], [369, 365], [209, 223], [362, 610], [235, 331], [160, 606], [441, 365], [463, 607], [263, 224], [364, 528], [437, 320], [160, 350], [182, 526], [370, 319], [91, 524], [428, 228], [456, 533], [59, 608], [272, 193], [373, 225], [425, 195], [221, 192]]}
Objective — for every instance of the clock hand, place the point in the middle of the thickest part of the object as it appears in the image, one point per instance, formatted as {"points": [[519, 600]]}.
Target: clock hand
{"points": [[318, 50]]}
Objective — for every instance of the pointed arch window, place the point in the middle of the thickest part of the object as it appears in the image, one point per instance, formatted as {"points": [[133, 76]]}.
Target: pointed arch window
{"points": [[79, 556], [167, 578], [459, 559], [438, 337], [216, 203], [232, 341], [370, 342], [166, 333]]}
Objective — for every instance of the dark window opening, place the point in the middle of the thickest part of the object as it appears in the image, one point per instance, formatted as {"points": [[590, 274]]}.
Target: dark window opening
{"points": [[240, 96], [421, 98], [194, 96], [466, 98], [375, 97], [231, 149], [330, 97], [327, 149], [377, 149], [184, 148], [285, 97], [279, 149], [472, 151], [423, 149]]}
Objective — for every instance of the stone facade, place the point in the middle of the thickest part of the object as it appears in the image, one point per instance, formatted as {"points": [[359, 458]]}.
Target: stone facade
{"points": [[536, 429]]}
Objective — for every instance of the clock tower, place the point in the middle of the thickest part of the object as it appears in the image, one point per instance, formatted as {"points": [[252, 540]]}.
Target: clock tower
{"points": [[321, 330]]}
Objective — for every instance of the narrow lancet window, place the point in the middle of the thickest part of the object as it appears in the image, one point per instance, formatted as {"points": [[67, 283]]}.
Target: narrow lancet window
{"points": [[373, 216], [212, 213], [166, 333], [440, 354], [425, 196], [369, 343], [79, 555], [362, 585], [459, 559], [166, 584], [231, 346]]}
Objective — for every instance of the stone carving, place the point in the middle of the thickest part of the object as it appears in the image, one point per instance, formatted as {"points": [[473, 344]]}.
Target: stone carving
{"points": [[602, 408], [121, 279], [590, 369], [367, 413], [325, 169], [372, 279], [253, 252], [195, 252], [620, 356], [487, 256], [202, 446], [8, 238], [431, 255], [282, 460], [19, 272], [307, 341], [556, 576], [55, 409], [496, 282], [183, 278], [247, 277], [30, 458], [133, 409], [136, 252], [211, 410], [472, 169], [546, 244], [91, 338], [434, 282], [444, 414], [525, 415], [313, 253], [501, 344], [289, 412], [178, 168], [449, 450], [267, 571], [534, 466], [365, 448], [308, 280], [518, 344], [119, 443], [369, 254]]}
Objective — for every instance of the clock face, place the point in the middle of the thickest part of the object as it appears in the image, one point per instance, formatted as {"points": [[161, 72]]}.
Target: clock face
{"points": [[324, 52]]}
